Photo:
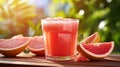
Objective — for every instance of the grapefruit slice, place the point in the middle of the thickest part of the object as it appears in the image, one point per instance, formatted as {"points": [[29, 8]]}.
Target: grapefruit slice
{"points": [[95, 37], [96, 51], [12, 47], [36, 45]]}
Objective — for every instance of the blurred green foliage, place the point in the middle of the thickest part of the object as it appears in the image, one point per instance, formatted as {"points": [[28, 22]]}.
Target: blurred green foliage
{"points": [[35, 29], [93, 15]]}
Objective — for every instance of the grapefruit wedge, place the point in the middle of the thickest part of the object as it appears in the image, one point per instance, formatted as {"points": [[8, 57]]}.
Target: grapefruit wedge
{"points": [[95, 37], [96, 51], [36, 45], [12, 47]]}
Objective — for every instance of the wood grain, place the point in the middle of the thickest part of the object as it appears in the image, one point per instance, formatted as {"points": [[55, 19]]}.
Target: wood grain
{"points": [[34, 61]]}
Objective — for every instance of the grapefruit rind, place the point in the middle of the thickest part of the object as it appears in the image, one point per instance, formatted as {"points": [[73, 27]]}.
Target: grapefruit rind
{"points": [[14, 51], [91, 55], [17, 36], [40, 51]]}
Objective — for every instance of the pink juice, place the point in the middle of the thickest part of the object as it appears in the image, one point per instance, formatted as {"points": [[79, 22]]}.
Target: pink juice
{"points": [[60, 37]]}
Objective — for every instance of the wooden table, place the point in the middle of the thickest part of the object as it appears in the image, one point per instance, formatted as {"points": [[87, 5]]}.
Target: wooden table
{"points": [[110, 61]]}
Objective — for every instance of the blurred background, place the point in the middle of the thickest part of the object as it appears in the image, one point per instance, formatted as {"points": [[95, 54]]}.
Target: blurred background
{"points": [[23, 17]]}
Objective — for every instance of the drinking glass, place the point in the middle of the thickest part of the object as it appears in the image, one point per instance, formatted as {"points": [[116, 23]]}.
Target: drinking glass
{"points": [[60, 37]]}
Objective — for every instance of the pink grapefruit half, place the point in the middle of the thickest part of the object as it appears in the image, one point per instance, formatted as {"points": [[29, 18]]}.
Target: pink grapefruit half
{"points": [[36, 45], [96, 51], [12, 47]]}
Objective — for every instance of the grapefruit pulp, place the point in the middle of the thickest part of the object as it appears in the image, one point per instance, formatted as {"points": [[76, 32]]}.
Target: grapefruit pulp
{"points": [[36, 45], [96, 51], [12, 47]]}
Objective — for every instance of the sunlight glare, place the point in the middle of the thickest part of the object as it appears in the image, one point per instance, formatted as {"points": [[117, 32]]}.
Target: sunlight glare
{"points": [[109, 1], [102, 24], [81, 12]]}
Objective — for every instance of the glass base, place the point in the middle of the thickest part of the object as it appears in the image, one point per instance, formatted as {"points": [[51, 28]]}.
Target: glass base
{"points": [[59, 58]]}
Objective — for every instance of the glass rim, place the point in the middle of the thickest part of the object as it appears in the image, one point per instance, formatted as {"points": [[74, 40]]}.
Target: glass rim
{"points": [[59, 20]]}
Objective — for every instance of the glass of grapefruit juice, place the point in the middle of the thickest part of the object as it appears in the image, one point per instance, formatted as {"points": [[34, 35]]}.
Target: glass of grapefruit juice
{"points": [[60, 37]]}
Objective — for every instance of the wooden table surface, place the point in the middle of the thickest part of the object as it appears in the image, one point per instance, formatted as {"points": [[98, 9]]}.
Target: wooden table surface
{"points": [[35, 61]]}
